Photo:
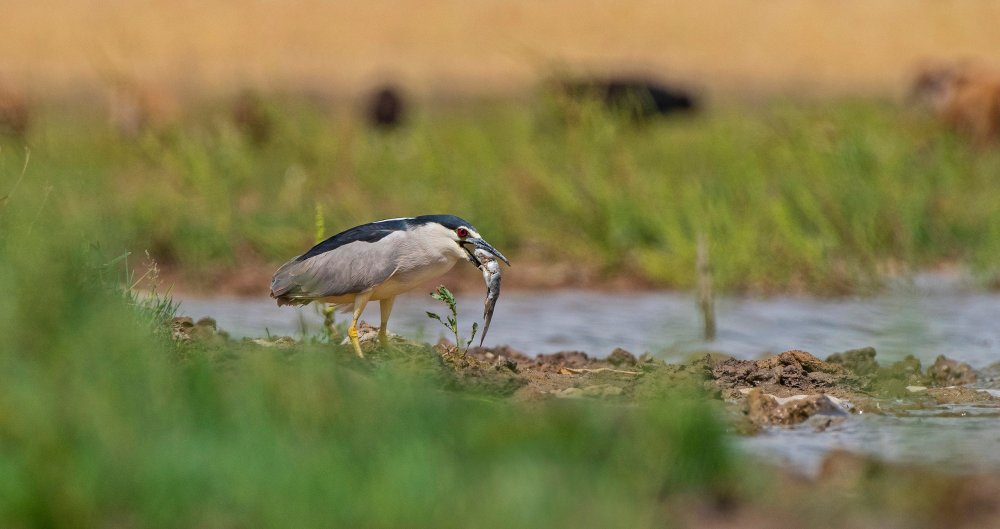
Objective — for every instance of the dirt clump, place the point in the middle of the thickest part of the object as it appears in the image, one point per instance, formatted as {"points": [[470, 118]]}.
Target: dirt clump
{"points": [[563, 359], [184, 329], [502, 353], [787, 373], [571, 374], [574, 374], [764, 410], [469, 373], [948, 372], [621, 357]]}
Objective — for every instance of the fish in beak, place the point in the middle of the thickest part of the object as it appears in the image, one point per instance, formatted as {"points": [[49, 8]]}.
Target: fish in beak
{"points": [[479, 245], [491, 275]]}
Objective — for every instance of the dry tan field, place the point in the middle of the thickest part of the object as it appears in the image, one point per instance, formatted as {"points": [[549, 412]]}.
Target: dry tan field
{"points": [[488, 46]]}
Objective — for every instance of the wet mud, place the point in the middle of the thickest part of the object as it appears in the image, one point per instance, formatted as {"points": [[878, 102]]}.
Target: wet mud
{"points": [[779, 390]]}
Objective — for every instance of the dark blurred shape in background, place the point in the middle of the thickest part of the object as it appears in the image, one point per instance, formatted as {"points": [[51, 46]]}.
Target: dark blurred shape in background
{"points": [[965, 96], [639, 98], [386, 107], [15, 111], [252, 117], [635, 98]]}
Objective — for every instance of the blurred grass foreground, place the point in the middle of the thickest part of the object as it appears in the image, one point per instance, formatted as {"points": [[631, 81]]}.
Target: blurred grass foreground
{"points": [[106, 422]]}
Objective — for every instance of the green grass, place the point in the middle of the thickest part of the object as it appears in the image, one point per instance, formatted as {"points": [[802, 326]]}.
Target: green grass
{"points": [[821, 197], [105, 423]]}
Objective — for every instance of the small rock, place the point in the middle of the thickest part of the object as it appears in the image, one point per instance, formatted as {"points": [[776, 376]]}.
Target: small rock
{"points": [[182, 321], [948, 372], [916, 389], [183, 329], [503, 363], [765, 409], [620, 357], [180, 328]]}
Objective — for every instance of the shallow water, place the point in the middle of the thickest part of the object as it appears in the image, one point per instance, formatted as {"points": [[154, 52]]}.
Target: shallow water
{"points": [[963, 441], [911, 320], [924, 319]]}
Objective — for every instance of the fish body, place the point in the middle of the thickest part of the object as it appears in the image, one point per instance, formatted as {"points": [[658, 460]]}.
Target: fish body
{"points": [[490, 267]]}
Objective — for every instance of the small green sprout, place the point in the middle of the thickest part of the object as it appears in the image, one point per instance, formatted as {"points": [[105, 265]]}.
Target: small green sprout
{"points": [[451, 322]]}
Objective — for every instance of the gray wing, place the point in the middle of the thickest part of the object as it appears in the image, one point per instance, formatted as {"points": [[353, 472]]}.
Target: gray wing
{"points": [[351, 268]]}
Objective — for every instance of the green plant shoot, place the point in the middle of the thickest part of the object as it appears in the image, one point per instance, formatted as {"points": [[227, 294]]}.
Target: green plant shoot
{"points": [[451, 322]]}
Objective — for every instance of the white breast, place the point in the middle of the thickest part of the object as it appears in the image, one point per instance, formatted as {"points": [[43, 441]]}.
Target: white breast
{"points": [[427, 253]]}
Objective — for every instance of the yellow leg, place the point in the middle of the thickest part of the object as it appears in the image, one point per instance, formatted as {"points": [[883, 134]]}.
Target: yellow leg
{"points": [[360, 301], [385, 307]]}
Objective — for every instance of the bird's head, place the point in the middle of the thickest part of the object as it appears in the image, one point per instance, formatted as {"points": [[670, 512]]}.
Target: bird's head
{"points": [[464, 236]]}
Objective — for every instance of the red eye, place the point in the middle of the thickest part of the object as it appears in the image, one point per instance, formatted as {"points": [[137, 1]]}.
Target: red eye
{"points": [[462, 232]]}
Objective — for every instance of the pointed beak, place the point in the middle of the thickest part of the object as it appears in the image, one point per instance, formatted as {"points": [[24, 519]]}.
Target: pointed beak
{"points": [[479, 243]]}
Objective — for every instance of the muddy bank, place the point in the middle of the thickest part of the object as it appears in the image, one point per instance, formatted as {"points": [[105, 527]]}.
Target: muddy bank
{"points": [[780, 390]]}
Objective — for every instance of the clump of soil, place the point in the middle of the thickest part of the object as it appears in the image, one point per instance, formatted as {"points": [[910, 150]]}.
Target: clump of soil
{"points": [[763, 409], [621, 357], [574, 374], [471, 373], [948, 372], [785, 374], [184, 329], [760, 388]]}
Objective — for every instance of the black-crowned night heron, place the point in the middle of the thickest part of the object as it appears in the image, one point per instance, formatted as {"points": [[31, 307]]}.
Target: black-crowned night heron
{"points": [[378, 261]]}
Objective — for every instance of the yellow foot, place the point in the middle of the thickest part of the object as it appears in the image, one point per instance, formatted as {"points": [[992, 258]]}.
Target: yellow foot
{"points": [[352, 332], [383, 338]]}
